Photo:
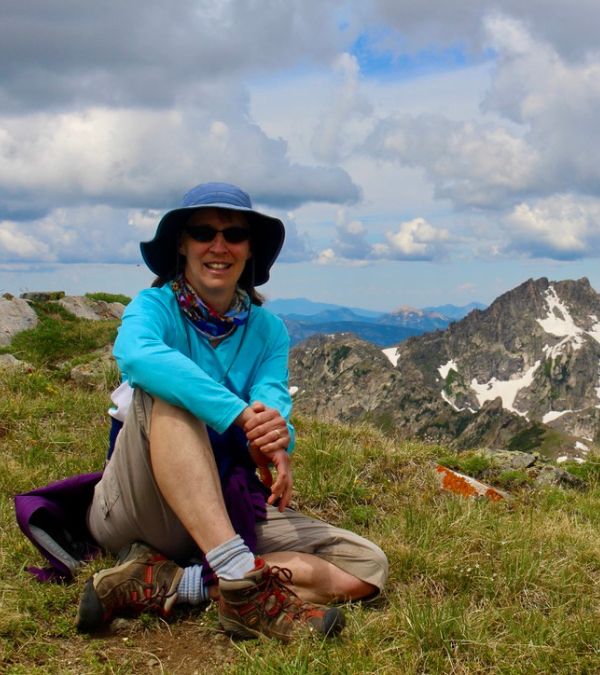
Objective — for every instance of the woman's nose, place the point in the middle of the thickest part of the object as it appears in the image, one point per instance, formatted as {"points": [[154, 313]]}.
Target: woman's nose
{"points": [[219, 243]]}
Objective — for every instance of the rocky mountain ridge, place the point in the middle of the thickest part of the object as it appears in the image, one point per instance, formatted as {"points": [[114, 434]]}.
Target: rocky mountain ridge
{"points": [[525, 368]]}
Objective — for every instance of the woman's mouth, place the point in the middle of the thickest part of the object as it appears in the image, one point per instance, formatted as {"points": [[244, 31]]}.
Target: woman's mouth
{"points": [[217, 265]]}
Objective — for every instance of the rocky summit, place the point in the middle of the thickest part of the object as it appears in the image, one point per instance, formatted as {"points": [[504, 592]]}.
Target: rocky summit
{"points": [[521, 374]]}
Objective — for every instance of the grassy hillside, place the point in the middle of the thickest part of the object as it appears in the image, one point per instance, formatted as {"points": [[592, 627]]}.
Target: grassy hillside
{"points": [[475, 587]]}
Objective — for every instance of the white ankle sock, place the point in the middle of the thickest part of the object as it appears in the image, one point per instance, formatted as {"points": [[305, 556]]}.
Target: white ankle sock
{"points": [[191, 589], [232, 559]]}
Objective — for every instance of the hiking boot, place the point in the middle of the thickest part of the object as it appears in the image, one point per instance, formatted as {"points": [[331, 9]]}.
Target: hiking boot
{"points": [[143, 580], [262, 604]]}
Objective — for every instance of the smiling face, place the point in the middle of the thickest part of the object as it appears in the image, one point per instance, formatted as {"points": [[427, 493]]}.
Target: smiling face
{"points": [[213, 268]]}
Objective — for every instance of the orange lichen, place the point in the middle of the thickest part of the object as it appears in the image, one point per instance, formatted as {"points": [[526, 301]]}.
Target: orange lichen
{"points": [[494, 495], [465, 486], [455, 483]]}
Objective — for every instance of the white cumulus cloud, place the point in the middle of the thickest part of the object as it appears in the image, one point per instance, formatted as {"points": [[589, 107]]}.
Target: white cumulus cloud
{"points": [[148, 159], [414, 240], [562, 226], [17, 245]]}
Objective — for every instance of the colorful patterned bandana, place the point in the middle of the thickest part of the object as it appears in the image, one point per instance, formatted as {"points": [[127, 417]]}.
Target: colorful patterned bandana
{"points": [[203, 317]]}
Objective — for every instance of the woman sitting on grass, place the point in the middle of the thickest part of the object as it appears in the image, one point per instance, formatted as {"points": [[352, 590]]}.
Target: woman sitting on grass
{"points": [[180, 496]]}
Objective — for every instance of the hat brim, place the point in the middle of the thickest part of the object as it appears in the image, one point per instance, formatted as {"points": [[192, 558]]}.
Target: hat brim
{"points": [[267, 237]]}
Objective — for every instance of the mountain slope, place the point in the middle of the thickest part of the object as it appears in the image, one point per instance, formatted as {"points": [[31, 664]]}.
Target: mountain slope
{"points": [[502, 375]]}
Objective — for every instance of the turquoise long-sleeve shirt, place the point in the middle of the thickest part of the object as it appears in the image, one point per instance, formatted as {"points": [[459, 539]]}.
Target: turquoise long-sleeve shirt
{"points": [[159, 351]]}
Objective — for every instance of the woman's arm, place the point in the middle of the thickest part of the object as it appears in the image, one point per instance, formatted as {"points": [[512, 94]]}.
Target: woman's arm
{"points": [[270, 390], [150, 357]]}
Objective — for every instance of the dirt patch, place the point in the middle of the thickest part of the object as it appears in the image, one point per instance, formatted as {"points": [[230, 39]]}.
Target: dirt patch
{"points": [[188, 644], [185, 646]]}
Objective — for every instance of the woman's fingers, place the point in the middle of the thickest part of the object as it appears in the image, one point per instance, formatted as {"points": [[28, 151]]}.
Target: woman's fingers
{"points": [[274, 433], [282, 487], [262, 461]]}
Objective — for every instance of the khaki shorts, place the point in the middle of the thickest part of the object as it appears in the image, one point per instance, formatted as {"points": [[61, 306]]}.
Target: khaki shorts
{"points": [[128, 506]]}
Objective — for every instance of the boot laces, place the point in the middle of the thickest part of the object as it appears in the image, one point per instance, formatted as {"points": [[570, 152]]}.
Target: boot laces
{"points": [[138, 594], [277, 596]]}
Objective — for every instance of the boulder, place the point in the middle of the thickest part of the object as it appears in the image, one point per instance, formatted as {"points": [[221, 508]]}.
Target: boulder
{"points": [[466, 486], [94, 310], [509, 460], [15, 316], [9, 362], [43, 296], [553, 475], [95, 373]]}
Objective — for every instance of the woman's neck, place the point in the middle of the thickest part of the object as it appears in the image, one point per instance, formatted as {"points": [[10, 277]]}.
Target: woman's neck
{"points": [[220, 302]]}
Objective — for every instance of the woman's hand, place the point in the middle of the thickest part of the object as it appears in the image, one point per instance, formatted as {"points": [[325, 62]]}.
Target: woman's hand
{"points": [[268, 438], [266, 429], [281, 489]]}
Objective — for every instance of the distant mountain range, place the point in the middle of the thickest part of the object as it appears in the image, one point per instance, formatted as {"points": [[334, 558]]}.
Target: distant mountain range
{"points": [[307, 307], [522, 374], [305, 318]]}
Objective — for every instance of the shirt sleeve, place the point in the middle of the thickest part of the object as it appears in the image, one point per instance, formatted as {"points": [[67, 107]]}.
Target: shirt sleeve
{"points": [[147, 354], [270, 384]]}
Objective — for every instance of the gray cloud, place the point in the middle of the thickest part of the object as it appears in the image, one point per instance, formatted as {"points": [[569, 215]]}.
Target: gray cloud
{"points": [[349, 105], [471, 163], [89, 234], [147, 159], [109, 112], [351, 240], [297, 246], [570, 28], [538, 138], [150, 53]]}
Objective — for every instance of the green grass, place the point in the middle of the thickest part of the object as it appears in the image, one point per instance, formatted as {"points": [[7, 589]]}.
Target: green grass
{"points": [[474, 465], [475, 586], [59, 336], [109, 297]]}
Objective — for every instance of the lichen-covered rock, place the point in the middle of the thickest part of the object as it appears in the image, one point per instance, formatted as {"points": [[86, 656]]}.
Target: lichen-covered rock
{"points": [[9, 362], [94, 310], [466, 486], [43, 296], [553, 475], [97, 373], [16, 315], [507, 460]]}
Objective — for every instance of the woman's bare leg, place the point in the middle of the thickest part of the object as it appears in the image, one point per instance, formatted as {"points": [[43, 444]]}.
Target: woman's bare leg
{"points": [[317, 580], [185, 471]]}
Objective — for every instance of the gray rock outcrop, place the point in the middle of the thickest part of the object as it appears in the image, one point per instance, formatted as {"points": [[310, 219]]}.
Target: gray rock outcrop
{"points": [[16, 315], [97, 372], [94, 310], [9, 362]]}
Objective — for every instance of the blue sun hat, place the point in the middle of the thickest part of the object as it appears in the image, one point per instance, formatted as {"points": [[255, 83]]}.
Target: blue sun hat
{"points": [[266, 233]]}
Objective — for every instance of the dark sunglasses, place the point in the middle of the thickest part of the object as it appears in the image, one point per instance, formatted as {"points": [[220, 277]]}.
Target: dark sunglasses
{"points": [[206, 233]]}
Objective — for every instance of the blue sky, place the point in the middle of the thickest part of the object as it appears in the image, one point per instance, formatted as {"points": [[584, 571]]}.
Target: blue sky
{"points": [[419, 153]]}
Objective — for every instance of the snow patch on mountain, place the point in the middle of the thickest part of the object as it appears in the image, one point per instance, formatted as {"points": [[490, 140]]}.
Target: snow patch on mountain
{"points": [[392, 354], [507, 390], [595, 330], [447, 367], [554, 415], [451, 403], [558, 321]]}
